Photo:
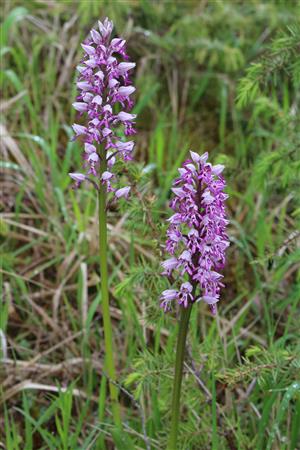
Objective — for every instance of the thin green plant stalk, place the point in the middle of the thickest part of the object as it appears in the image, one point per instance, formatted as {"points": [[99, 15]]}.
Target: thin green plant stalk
{"points": [[214, 414], [180, 354], [108, 339]]}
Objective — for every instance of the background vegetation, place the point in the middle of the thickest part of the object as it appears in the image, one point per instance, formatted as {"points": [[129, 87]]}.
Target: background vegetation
{"points": [[221, 76]]}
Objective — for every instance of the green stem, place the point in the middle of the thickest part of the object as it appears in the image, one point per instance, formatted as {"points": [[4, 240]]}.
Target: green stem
{"points": [[180, 352], [109, 358]]}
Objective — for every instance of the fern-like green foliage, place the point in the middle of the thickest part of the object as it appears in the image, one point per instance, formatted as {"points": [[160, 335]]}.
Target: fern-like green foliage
{"points": [[281, 59], [267, 366]]}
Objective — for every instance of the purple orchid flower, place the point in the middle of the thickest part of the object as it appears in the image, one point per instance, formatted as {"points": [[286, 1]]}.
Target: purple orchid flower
{"points": [[104, 86], [196, 237]]}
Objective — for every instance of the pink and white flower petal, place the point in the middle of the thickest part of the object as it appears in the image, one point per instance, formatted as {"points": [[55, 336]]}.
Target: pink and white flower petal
{"points": [[79, 177], [80, 106], [125, 91], [124, 116], [96, 36], [125, 66], [123, 192], [88, 49], [217, 169], [169, 265], [79, 129], [98, 100], [93, 157], [106, 176]]}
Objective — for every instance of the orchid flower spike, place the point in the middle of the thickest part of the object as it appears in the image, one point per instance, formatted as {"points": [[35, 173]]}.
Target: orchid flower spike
{"points": [[196, 237], [105, 99]]}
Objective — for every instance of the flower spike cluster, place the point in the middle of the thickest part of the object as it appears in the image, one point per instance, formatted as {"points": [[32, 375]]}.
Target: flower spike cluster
{"points": [[196, 237], [103, 84]]}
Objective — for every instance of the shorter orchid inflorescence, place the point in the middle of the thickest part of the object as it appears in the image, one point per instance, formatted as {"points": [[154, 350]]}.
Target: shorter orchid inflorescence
{"points": [[196, 237], [104, 96]]}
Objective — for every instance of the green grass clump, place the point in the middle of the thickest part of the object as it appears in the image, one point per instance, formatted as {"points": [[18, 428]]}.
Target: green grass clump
{"points": [[217, 76]]}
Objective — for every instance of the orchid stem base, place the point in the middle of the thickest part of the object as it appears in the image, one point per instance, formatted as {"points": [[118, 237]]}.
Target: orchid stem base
{"points": [[180, 354]]}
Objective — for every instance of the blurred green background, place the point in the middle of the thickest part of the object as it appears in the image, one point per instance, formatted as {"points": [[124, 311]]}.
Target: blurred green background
{"points": [[216, 76]]}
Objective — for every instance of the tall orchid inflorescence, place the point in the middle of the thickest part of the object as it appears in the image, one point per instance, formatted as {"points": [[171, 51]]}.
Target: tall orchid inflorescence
{"points": [[104, 96], [196, 237]]}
